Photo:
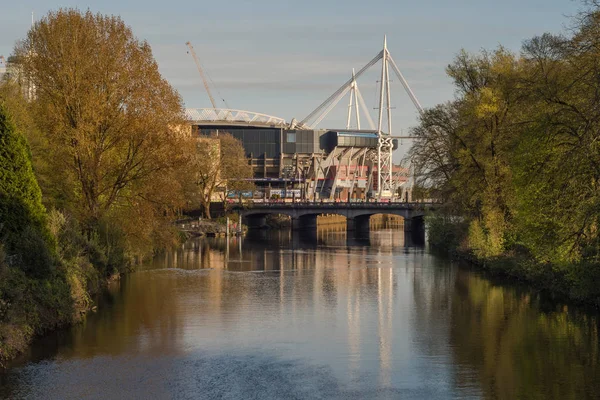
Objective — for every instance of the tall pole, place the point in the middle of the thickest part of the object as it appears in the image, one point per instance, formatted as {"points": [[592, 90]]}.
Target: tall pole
{"points": [[380, 122], [350, 103], [388, 177], [353, 102], [383, 64], [387, 87], [356, 101]]}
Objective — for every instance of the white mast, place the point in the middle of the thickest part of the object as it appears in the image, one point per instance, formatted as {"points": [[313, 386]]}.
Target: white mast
{"points": [[354, 99], [385, 183]]}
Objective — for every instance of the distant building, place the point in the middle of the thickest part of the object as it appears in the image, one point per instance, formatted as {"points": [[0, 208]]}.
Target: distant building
{"points": [[337, 165], [11, 70], [2, 67]]}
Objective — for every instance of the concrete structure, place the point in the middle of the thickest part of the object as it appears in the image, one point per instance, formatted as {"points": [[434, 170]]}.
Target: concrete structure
{"points": [[299, 157], [304, 215], [308, 164]]}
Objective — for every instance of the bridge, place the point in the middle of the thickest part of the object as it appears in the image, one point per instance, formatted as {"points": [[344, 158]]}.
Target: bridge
{"points": [[304, 214]]}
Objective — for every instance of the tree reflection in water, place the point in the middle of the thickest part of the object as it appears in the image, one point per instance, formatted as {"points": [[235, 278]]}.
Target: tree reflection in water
{"points": [[343, 314]]}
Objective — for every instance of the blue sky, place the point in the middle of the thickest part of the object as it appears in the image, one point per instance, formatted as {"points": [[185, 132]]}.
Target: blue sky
{"points": [[285, 57]]}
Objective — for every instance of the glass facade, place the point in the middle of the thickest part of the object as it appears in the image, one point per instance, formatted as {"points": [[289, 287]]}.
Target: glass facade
{"points": [[258, 142], [333, 139], [301, 141]]}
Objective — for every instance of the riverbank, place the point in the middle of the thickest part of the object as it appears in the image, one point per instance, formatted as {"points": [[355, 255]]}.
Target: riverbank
{"points": [[211, 228], [31, 308], [577, 283]]}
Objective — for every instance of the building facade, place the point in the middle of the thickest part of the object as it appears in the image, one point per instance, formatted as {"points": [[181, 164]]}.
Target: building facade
{"points": [[301, 164]]}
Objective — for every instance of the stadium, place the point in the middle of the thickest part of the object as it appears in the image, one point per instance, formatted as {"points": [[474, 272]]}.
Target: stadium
{"points": [[301, 164]]}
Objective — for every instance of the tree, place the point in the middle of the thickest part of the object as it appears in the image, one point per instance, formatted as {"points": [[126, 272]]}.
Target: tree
{"points": [[23, 227], [432, 158], [109, 118], [560, 156], [21, 113], [464, 147], [219, 163], [234, 166]]}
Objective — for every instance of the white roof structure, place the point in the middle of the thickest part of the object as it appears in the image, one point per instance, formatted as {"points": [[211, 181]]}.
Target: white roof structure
{"points": [[222, 116]]}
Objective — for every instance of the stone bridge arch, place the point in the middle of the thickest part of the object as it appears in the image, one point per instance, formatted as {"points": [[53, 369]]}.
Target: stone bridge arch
{"points": [[360, 219], [305, 217]]}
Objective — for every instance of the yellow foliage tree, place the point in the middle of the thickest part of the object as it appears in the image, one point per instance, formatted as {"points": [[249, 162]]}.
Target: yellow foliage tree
{"points": [[108, 117]]}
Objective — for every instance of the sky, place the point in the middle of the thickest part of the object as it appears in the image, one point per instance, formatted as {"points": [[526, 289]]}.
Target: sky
{"points": [[283, 58]]}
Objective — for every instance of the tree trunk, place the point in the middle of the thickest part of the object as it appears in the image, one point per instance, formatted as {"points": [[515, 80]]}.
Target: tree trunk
{"points": [[206, 209]]}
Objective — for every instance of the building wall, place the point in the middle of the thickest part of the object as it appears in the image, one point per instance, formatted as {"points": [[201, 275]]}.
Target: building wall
{"points": [[300, 141], [258, 142], [285, 158]]}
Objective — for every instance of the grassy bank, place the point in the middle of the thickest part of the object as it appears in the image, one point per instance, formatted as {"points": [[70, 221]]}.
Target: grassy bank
{"points": [[59, 291], [574, 282], [50, 264]]}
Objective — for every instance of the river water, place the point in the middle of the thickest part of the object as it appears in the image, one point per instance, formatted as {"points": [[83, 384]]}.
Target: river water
{"points": [[281, 315]]}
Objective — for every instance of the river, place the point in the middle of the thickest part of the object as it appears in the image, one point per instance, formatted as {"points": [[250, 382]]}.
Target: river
{"points": [[281, 315]]}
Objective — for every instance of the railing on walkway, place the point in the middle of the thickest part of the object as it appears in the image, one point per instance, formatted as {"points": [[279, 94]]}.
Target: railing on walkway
{"points": [[332, 204]]}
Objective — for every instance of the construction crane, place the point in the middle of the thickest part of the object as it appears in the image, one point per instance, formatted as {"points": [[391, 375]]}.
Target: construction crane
{"points": [[212, 100]]}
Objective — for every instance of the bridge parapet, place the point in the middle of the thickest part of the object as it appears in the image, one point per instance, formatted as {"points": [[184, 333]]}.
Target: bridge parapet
{"points": [[352, 211], [337, 205]]}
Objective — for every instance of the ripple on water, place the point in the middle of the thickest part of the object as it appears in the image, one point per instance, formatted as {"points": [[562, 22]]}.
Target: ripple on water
{"points": [[201, 375]]}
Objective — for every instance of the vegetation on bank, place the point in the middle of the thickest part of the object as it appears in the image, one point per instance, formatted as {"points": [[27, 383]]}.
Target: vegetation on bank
{"points": [[43, 278], [516, 159], [92, 162]]}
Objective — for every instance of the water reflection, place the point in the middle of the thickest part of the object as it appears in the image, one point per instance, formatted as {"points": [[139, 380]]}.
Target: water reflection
{"points": [[517, 351], [326, 315]]}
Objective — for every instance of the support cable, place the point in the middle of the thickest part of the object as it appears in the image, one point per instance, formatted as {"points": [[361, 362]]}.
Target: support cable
{"points": [[363, 105], [330, 107], [310, 116], [405, 84]]}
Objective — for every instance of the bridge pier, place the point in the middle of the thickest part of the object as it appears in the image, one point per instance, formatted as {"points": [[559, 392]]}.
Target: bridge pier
{"points": [[350, 224], [359, 223], [256, 221], [407, 225], [304, 222], [415, 228]]}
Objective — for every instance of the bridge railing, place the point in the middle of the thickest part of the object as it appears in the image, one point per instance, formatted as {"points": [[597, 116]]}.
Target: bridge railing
{"points": [[332, 205]]}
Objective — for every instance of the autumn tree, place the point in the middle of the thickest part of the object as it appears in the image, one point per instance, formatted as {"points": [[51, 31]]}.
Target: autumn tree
{"points": [[464, 147], [220, 164], [517, 151], [109, 120]]}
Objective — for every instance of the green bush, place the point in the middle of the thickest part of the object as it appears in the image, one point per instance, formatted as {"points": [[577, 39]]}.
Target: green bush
{"points": [[22, 215], [444, 232], [32, 254]]}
